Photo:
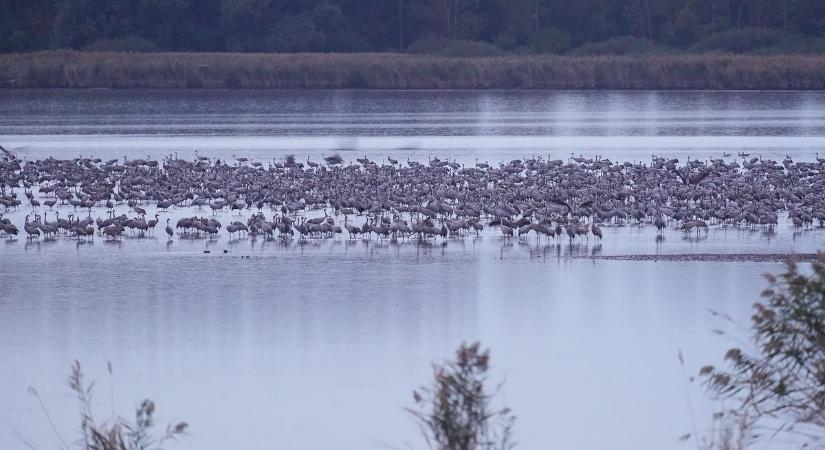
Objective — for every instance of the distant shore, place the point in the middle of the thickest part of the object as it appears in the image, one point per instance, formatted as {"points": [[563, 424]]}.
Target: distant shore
{"points": [[73, 69]]}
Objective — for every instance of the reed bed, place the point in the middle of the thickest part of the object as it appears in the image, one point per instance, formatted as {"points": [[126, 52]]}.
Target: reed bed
{"points": [[73, 69]]}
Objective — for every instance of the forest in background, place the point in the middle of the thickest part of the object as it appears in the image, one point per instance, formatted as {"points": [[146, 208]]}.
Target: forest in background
{"points": [[438, 27]]}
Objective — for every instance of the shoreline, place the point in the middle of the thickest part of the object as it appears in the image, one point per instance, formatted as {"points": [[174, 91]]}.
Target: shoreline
{"points": [[387, 71], [709, 257]]}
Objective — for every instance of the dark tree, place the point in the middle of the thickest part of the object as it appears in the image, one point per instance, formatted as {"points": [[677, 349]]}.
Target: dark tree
{"points": [[394, 25]]}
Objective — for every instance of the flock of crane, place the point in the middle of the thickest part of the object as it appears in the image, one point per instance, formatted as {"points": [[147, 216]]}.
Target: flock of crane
{"points": [[438, 199]]}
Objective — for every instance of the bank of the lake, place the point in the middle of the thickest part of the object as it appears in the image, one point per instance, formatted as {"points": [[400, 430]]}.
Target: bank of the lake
{"points": [[71, 69]]}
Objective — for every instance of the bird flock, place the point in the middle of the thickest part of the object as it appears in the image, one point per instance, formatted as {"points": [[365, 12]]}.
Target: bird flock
{"points": [[553, 199]]}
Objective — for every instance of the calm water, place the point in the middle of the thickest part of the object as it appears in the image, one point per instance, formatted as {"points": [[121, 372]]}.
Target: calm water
{"points": [[318, 346]]}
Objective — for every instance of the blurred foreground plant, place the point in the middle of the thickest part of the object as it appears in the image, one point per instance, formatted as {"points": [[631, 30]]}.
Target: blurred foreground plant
{"points": [[455, 413], [117, 433], [780, 383]]}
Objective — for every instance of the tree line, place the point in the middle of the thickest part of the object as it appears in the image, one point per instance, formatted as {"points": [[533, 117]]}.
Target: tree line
{"points": [[554, 26]]}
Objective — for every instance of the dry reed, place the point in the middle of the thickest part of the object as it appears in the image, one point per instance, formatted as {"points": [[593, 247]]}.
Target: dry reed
{"points": [[72, 69]]}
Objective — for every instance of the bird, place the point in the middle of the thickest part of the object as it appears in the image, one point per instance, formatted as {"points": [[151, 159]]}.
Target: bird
{"points": [[506, 231], [571, 210], [396, 200], [333, 159], [31, 229], [596, 230], [9, 229], [571, 232], [696, 179], [660, 224], [152, 222]]}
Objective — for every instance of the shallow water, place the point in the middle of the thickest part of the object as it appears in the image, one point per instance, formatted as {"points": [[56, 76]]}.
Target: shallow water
{"points": [[318, 345]]}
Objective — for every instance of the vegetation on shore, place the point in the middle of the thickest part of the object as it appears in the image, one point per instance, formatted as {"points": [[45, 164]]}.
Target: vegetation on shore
{"points": [[72, 69]]}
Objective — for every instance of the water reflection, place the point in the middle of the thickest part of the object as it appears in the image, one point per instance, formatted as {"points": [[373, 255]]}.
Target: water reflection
{"points": [[617, 240], [456, 125]]}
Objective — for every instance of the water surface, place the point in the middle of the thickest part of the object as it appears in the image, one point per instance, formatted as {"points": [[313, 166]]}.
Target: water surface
{"points": [[318, 345], [463, 125]]}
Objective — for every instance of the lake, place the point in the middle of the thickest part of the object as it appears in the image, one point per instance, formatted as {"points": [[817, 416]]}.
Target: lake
{"points": [[318, 345]]}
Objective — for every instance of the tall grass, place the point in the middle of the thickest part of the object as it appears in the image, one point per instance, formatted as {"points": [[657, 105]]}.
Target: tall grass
{"points": [[117, 433], [71, 69]]}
